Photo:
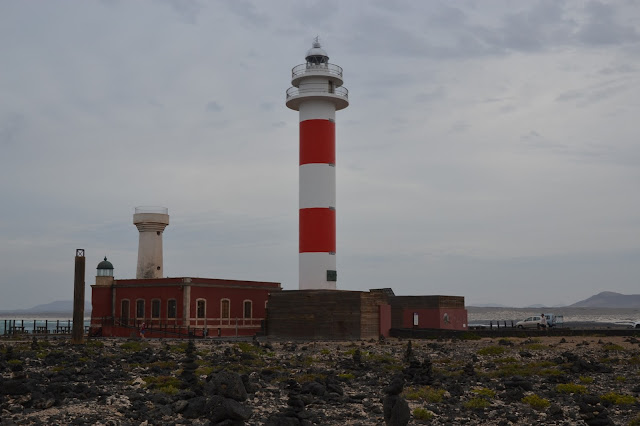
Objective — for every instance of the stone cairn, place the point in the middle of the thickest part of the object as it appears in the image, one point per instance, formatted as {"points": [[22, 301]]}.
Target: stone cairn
{"points": [[395, 408]]}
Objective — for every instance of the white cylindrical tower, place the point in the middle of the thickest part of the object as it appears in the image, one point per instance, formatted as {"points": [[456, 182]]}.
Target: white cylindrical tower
{"points": [[317, 93], [150, 222]]}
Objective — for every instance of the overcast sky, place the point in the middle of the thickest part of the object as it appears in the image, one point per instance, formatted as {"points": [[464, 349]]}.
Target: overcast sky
{"points": [[491, 148]]}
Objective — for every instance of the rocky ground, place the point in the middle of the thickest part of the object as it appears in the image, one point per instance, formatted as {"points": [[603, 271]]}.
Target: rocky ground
{"points": [[517, 381]]}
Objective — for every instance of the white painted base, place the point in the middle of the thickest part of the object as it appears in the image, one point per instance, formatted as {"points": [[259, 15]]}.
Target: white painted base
{"points": [[313, 271]]}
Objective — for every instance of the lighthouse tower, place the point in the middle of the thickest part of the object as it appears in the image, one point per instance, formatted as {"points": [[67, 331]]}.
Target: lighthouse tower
{"points": [[317, 94], [150, 222]]}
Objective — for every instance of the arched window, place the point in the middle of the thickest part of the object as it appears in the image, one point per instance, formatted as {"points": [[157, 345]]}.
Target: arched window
{"points": [[201, 308], [171, 308], [225, 308], [155, 308], [248, 309], [124, 311], [140, 308]]}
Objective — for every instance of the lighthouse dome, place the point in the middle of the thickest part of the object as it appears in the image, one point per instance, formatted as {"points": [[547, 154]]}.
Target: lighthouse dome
{"points": [[105, 268], [105, 264], [317, 55]]}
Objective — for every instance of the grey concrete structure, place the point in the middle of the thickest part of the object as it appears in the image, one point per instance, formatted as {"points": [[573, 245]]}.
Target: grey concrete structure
{"points": [[151, 222]]}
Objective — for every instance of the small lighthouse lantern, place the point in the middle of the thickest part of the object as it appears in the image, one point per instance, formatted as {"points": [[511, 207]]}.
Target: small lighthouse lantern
{"points": [[105, 268]]}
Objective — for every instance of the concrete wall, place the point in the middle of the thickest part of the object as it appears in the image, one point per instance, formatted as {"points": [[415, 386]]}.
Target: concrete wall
{"points": [[314, 315]]}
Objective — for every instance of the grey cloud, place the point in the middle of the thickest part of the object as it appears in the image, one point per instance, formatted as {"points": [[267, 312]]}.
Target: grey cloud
{"points": [[618, 69], [433, 95], [213, 106], [459, 127], [312, 13], [247, 11], [536, 140], [451, 33], [587, 96], [187, 10], [578, 153], [10, 127], [603, 28], [494, 100], [446, 15], [569, 95]]}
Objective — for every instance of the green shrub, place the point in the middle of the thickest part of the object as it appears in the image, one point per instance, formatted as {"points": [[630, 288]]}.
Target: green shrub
{"points": [[250, 348], [204, 370], [162, 382], [424, 393], [506, 360], [477, 403], [536, 402], [467, 335], [92, 344], [618, 399], [635, 421], [168, 389], [311, 377], [541, 368], [536, 346], [492, 350], [550, 372], [485, 393], [612, 347], [422, 414], [571, 388], [14, 362], [132, 346], [346, 376], [180, 348], [621, 379], [585, 379]]}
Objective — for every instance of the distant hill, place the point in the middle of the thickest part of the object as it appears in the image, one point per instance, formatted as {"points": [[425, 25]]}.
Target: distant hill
{"points": [[487, 305], [65, 306], [609, 299]]}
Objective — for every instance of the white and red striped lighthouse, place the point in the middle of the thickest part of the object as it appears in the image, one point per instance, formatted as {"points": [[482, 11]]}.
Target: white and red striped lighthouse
{"points": [[317, 93]]}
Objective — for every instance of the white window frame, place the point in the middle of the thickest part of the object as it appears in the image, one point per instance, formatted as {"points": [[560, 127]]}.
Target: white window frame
{"points": [[244, 309], [159, 308], [204, 313], [222, 310], [144, 307]]}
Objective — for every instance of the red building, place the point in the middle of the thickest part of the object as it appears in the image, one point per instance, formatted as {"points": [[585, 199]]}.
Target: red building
{"points": [[174, 307]]}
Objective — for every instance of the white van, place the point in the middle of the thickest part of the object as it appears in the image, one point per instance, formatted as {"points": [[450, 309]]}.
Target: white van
{"points": [[534, 321]]}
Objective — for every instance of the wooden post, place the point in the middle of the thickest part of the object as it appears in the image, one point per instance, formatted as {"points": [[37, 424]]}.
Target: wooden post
{"points": [[77, 335]]}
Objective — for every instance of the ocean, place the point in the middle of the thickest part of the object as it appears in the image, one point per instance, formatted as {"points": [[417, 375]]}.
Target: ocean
{"points": [[53, 323], [476, 315], [600, 315]]}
